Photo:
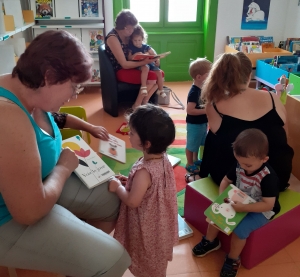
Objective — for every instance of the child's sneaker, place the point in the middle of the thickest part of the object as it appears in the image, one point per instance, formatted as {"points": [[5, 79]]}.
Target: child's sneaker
{"points": [[205, 246], [143, 91], [198, 162], [161, 93], [230, 267]]}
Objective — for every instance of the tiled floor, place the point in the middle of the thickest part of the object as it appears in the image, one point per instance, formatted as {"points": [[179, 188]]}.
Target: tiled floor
{"points": [[285, 263]]}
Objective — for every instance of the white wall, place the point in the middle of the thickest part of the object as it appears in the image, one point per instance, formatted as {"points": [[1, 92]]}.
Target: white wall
{"points": [[230, 16], [292, 26]]}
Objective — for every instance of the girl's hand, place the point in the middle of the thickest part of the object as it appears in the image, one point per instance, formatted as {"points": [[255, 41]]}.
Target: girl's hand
{"points": [[239, 207], [99, 132], [114, 184], [68, 159], [123, 179], [157, 62]]}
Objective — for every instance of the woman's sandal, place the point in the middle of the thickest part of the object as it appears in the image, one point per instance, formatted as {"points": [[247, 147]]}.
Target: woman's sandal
{"points": [[188, 175], [192, 168], [143, 91]]}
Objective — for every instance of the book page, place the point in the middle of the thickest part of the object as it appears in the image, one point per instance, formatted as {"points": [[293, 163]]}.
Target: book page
{"points": [[114, 148], [92, 170], [222, 214]]}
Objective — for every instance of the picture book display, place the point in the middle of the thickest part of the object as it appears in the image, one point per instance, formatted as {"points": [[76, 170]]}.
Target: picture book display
{"points": [[222, 214], [92, 39], [92, 170], [44, 8], [89, 8], [140, 57], [184, 230], [114, 148]]}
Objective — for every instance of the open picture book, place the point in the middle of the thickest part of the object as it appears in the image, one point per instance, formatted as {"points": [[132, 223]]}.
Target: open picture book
{"points": [[184, 230], [114, 148], [221, 213], [92, 170], [140, 57]]}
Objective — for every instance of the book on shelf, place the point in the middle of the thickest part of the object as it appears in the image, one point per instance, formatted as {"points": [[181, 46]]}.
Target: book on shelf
{"points": [[114, 148], [90, 8], [44, 9], [92, 170], [222, 214], [67, 9], [140, 57], [184, 230], [13, 7], [92, 39]]}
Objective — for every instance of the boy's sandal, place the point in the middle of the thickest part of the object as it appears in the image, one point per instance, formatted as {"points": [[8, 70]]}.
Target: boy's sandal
{"points": [[198, 162], [192, 168], [188, 175], [144, 91]]}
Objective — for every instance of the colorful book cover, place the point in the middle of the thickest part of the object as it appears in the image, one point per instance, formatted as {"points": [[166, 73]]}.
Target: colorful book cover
{"points": [[89, 8], [92, 170], [114, 148], [44, 8], [222, 214], [95, 39]]}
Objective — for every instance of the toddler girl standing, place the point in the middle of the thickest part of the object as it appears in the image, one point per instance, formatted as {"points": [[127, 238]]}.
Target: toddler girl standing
{"points": [[147, 225]]}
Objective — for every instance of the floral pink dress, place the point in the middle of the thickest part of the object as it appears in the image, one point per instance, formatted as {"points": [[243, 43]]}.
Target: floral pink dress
{"points": [[150, 231]]}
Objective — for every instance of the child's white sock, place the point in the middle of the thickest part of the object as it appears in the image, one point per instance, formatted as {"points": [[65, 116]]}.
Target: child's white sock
{"points": [[161, 93]]}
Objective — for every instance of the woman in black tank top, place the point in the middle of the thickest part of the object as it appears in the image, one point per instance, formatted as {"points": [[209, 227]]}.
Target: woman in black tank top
{"points": [[226, 89]]}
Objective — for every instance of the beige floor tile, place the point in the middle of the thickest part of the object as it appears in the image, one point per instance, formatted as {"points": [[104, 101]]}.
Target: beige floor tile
{"points": [[183, 260], [293, 250], [280, 257], [213, 261], [294, 183], [279, 270]]}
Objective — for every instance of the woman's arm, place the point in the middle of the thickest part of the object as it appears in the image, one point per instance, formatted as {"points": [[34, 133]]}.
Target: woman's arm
{"points": [[116, 49], [76, 123], [27, 197], [134, 197]]}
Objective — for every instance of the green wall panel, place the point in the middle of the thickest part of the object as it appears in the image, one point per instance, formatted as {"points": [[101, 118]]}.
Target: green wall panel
{"points": [[183, 47]]}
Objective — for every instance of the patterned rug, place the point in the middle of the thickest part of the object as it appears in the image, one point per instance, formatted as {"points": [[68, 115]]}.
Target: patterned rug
{"points": [[177, 149]]}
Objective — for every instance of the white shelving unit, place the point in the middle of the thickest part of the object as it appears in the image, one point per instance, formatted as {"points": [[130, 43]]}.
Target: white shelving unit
{"points": [[18, 30], [90, 30]]}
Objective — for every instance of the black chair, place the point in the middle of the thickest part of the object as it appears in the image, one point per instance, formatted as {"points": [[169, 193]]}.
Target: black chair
{"points": [[113, 91]]}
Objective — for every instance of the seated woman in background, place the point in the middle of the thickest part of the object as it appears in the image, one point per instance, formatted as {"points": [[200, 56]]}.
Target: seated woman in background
{"points": [[231, 107], [116, 46], [41, 200]]}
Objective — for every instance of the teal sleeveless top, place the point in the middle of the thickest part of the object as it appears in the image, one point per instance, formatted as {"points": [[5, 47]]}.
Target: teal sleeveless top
{"points": [[49, 148]]}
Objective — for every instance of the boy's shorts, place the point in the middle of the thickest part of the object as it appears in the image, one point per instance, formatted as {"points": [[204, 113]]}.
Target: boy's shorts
{"points": [[196, 135], [250, 223]]}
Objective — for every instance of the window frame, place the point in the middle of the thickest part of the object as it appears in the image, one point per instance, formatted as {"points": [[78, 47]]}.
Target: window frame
{"points": [[163, 17]]}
